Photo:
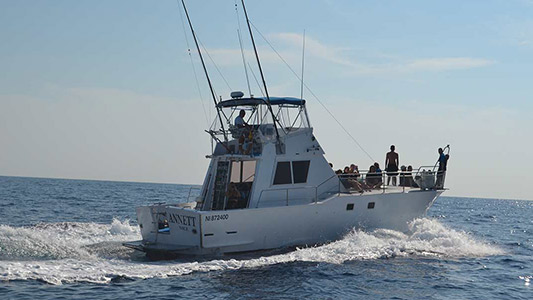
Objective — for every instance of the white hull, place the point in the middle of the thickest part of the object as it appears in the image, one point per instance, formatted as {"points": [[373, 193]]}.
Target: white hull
{"points": [[216, 232]]}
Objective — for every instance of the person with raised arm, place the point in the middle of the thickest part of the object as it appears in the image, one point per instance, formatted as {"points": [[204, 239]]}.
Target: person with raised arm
{"points": [[443, 162]]}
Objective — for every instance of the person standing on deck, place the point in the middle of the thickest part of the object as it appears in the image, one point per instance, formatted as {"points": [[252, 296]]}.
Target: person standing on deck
{"points": [[392, 160], [443, 161]]}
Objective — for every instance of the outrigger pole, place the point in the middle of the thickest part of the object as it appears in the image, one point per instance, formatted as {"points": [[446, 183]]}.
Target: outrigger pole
{"points": [[205, 71], [274, 119]]}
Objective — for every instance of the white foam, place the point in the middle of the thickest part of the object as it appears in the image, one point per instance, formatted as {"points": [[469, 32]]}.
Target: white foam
{"points": [[60, 240], [526, 279], [88, 252]]}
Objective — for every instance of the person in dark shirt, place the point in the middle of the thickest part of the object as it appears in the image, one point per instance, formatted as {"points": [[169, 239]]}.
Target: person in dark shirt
{"points": [[443, 162], [378, 170]]}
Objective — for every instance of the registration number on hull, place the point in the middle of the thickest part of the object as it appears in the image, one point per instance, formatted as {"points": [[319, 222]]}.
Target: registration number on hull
{"points": [[217, 217]]}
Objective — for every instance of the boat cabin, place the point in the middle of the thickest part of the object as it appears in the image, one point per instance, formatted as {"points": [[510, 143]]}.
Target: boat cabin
{"points": [[274, 159], [265, 163]]}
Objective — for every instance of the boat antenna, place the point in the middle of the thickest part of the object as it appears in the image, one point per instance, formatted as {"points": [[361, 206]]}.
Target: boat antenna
{"points": [[205, 70], [303, 61], [261, 72], [242, 50], [314, 95]]}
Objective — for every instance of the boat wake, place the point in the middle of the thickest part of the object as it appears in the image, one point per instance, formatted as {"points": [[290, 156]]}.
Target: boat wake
{"points": [[54, 241], [68, 252]]}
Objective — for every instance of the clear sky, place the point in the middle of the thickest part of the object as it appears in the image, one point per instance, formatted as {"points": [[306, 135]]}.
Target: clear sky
{"points": [[106, 90]]}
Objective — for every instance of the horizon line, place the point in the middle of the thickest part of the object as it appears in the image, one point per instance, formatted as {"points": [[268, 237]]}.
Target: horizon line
{"points": [[195, 184]]}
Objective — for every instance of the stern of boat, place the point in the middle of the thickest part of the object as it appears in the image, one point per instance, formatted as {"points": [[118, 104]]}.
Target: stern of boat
{"points": [[167, 229]]}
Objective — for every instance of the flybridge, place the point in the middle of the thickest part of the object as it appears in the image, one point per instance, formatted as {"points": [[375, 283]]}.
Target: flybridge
{"points": [[261, 117]]}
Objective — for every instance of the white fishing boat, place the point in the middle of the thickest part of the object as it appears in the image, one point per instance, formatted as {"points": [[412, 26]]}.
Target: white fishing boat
{"points": [[268, 185]]}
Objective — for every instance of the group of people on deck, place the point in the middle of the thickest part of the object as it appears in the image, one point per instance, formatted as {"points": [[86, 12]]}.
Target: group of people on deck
{"points": [[352, 178]]}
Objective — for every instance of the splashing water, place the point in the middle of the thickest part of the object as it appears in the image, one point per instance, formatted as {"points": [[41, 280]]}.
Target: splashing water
{"points": [[526, 279], [88, 252]]}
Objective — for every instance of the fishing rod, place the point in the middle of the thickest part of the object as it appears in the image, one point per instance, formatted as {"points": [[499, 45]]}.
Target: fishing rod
{"points": [[205, 70], [261, 71]]}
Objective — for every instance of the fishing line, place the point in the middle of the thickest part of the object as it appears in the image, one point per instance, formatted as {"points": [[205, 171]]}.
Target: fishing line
{"points": [[216, 67], [205, 69], [193, 68], [314, 95], [256, 80], [242, 49]]}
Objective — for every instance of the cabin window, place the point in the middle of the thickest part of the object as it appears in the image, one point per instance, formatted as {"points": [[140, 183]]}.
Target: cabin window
{"points": [[300, 169], [283, 173], [240, 185], [243, 171]]}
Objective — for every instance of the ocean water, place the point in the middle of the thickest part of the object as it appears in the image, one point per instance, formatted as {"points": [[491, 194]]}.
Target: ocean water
{"points": [[61, 239]]}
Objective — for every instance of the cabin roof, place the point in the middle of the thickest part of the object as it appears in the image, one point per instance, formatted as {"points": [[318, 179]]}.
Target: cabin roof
{"points": [[261, 100]]}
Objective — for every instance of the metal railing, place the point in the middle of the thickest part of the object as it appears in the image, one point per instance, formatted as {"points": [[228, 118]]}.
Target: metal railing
{"points": [[197, 188], [424, 177], [301, 195]]}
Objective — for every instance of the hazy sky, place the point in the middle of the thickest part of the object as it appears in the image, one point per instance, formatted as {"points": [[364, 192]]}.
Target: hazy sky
{"points": [[105, 89]]}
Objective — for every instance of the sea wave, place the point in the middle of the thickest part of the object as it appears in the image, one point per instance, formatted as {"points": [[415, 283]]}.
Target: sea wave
{"points": [[59, 253], [61, 240]]}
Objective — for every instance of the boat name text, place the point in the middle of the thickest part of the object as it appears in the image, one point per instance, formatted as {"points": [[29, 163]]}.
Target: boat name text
{"points": [[182, 220]]}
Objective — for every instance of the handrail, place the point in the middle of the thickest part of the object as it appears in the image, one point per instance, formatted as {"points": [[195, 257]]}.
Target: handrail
{"points": [[324, 182], [254, 127], [415, 172], [333, 176], [425, 168], [190, 190], [362, 174], [281, 190], [315, 188]]}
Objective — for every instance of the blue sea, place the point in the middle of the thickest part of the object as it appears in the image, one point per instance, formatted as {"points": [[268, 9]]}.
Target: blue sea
{"points": [[61, 239]]}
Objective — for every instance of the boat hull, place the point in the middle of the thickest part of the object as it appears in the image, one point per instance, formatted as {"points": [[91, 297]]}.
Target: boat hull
{"points": [[218, 232]]}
